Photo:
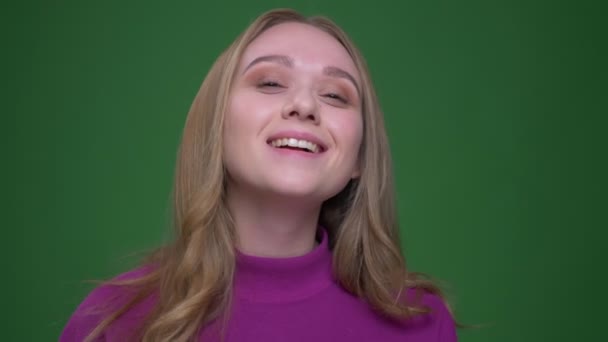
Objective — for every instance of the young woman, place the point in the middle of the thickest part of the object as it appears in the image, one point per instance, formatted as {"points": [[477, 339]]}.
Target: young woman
{"points": [[283, 207]]}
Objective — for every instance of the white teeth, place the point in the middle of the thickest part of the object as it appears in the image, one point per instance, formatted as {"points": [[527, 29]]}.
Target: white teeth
{"points": [[291, 142]]}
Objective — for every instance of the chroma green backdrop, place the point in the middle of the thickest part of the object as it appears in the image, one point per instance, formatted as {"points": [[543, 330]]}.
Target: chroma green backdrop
{"points": [[494, 110]]}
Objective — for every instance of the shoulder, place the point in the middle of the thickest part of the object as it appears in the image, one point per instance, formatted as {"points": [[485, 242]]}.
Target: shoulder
{"points": [[100, 302], [439, 320]]}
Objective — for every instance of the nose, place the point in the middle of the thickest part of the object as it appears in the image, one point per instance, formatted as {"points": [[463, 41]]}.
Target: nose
{"points": [[301, 105]]}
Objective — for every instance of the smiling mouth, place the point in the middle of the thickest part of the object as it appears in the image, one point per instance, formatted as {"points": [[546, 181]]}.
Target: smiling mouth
{"points": [[296, 144]]}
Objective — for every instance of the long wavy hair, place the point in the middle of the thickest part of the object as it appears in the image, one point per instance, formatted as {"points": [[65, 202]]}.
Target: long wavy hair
{"points": [[192, 276]]}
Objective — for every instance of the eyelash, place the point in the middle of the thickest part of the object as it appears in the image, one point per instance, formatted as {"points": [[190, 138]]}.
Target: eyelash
{"points": [[269, 84], [336, 97], [274, 84]]}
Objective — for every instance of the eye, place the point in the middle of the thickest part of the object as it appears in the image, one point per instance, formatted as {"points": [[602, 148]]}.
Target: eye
{"points": [[269, 84], [336, 97]]}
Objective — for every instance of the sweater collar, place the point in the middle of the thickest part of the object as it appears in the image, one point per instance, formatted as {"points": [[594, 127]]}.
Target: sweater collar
{"points": [[263, 279]]}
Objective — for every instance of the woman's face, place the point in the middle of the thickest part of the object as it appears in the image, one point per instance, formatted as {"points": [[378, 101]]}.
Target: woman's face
{"points": [[294, 125]]}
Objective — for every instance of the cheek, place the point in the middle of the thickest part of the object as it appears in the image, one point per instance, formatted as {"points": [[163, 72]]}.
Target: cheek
{"points": [[239, 120], [348, 128], [247, 114], [235, 128]]}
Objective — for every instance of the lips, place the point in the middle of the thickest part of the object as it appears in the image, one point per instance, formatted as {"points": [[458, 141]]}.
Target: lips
{"points": [[293, 143], [297, 140]]}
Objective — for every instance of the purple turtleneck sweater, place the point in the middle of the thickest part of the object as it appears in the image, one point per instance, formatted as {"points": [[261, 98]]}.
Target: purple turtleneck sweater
{"points": [[290, 299]]}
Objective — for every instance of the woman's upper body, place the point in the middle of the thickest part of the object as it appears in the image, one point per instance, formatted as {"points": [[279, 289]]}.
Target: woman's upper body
{"points": [[284, 135], [278, 299]]}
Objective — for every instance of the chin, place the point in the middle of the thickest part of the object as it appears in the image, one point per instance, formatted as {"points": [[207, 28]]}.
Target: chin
{"points": [[304, 190], [296, 192]]}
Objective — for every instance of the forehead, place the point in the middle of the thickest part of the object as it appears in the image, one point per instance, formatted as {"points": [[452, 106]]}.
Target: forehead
{"points": [[307, 45]]}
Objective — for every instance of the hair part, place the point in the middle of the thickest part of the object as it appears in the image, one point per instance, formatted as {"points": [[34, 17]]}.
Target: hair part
{"points": [[193, 275]]}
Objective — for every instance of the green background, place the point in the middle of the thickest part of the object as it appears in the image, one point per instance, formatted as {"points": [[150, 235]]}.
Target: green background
{"points": [[495, 111]]}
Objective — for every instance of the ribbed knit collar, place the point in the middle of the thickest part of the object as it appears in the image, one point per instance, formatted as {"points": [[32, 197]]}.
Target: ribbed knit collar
{"points": [[263, 279]]}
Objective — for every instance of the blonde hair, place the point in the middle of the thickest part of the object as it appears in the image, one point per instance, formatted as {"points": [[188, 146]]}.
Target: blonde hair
{"points": [[193, 275]]}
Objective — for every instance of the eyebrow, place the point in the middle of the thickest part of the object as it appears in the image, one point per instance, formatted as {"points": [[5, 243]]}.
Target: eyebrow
{"points": [[280, 59], [288, 62]]}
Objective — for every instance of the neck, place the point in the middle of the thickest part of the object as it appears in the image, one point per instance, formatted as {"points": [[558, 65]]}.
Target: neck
{"points": [[272, 226]]}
